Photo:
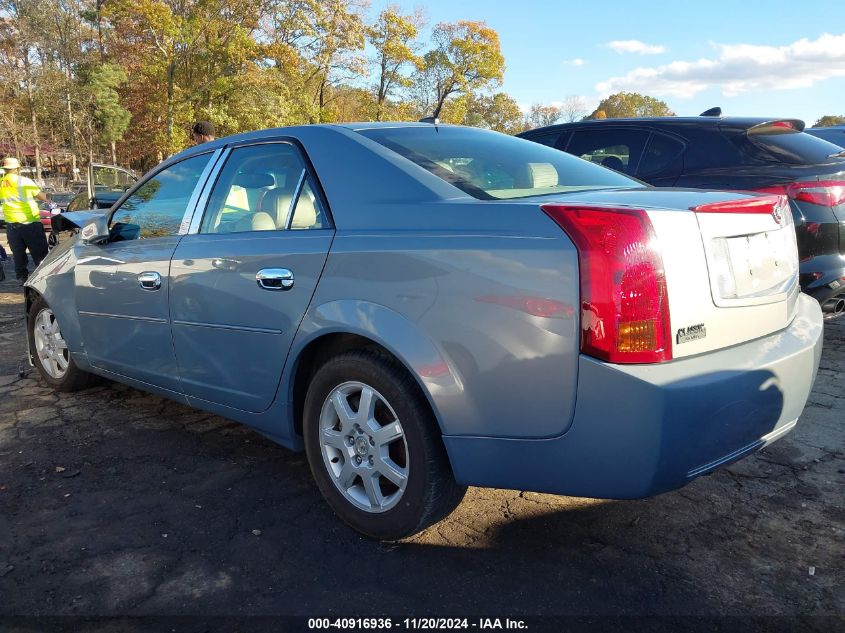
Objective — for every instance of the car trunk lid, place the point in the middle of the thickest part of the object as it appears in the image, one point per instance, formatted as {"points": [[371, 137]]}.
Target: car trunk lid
{"points": [[729, 260]]}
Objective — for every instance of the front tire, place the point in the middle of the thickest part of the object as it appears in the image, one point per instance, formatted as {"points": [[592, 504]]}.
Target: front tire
{"points": [[50, 353], [374, 448]]}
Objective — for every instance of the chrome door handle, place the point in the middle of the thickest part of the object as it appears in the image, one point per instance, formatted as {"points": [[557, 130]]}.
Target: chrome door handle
{"points": [[149, 280], [274, 278]]}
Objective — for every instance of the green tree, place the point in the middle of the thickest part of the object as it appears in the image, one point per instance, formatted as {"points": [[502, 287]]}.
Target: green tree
{"points": [[393, 37], [466, 58], [829, 120], [112, 118], [631, 104]]}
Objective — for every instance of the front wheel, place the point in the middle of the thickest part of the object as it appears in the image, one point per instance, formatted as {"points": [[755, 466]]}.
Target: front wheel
{"points": [[50, 352], [374, 448]]}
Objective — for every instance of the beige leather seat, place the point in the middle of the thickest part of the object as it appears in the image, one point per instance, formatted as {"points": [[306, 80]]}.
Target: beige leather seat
{"points": [[305, 214], [276, 202], [258, 221], [542, 175]]}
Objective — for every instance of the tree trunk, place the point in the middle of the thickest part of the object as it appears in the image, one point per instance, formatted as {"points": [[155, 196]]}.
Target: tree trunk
{"points": [[90, 143], [322, 101], [113, 153], [33, 119], [100, 30], [69, 111], [171, 80]]}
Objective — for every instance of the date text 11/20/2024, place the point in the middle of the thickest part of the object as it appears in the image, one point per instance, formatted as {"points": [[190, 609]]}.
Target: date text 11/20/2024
{"points": [[430, 624]]}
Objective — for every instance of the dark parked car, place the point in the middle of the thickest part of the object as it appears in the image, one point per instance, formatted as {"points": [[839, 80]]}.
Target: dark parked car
{"points": [[834, 134], [711, 152]]}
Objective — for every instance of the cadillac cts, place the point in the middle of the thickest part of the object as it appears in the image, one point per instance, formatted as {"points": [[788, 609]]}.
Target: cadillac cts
{"points": [[423, 307]]}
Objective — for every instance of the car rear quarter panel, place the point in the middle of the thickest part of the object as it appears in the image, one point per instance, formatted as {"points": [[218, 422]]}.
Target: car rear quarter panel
{"points": [[462, 308]]}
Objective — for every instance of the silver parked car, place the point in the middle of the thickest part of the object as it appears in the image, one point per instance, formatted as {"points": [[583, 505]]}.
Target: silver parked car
{"points": [[424, 307]]}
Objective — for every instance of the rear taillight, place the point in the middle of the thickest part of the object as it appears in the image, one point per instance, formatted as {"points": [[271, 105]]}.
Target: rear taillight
{"points": [[827, 193], [624, 304]]}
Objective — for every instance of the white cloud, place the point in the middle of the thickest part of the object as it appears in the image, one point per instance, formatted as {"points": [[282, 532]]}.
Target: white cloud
{"points": [[577, 61], [636, 46], [740, 68]]}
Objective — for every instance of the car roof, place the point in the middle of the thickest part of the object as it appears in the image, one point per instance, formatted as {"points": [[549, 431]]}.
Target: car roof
{"points": [[290, 130], [735, 122]]}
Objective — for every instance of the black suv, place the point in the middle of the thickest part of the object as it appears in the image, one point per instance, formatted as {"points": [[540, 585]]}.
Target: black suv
{"points": [[771, 156]]}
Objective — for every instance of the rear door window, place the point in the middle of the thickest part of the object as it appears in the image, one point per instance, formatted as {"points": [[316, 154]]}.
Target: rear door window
{"points": [[616, 148], [663, 154]]}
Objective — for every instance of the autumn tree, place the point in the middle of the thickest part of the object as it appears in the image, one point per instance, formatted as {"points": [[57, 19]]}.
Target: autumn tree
{"points": [[498, 112], [466, 57], [334, 48], [829, 120], [542, 115], [630, 104], [183, 60], [393, 36]]}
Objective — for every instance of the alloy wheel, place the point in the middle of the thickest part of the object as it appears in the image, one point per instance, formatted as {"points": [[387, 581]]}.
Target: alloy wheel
{"points": [[364, 447], [50, 347]]}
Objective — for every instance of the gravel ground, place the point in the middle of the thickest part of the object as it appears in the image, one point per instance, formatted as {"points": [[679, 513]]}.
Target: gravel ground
{"points": [[115, 502]]}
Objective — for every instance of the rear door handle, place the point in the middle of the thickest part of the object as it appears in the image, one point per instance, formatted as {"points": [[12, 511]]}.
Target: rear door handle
{"points": [[149, 280], [274, 278]]}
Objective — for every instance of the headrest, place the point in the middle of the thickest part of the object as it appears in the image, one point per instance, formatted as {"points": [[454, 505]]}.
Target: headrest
{"points": [[254, 181], [613, 162], [542, 175], [276, 202]]}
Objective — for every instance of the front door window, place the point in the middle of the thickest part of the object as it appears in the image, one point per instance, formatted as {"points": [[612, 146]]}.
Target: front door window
{"points": [[157, 207]]}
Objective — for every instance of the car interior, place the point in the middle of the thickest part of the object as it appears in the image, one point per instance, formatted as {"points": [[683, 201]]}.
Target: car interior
{"points": [[257, 196]]}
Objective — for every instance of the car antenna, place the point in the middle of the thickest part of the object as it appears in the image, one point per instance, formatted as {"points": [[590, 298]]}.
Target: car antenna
{"points": [[717, 111], [430, 119]]}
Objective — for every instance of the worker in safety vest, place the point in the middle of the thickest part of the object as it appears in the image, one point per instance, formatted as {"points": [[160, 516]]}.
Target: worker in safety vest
{"points": [[23, 219]]}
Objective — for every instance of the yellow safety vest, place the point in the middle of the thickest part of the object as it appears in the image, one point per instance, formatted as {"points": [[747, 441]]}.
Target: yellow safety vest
{"points": [[18, 194]]}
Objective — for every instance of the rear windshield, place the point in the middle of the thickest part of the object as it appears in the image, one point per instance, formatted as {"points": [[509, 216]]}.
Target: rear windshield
{"points": [[797, 148], [492, 166]]}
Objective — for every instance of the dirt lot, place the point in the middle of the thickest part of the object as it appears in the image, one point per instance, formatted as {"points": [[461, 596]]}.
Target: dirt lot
{"points": [[116, 502]]}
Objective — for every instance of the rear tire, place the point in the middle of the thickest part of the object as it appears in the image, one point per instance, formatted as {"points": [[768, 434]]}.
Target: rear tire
{"points": [[50, 353], [383, 469]]}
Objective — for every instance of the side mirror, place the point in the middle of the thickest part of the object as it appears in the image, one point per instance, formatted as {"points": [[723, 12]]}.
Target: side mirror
{"points": [[96, 231], [121, 232]]}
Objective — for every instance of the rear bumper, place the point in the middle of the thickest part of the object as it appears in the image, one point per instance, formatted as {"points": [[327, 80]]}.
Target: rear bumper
{"points": [[825, 283], [640, 430]]}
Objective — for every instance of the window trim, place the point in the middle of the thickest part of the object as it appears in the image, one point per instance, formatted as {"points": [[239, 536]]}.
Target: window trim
{"points": [[310, 175], [192, 200], [297, 191]]}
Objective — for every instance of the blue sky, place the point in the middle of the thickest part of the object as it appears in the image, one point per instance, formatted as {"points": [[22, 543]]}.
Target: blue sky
{"points": [[751, 58]]}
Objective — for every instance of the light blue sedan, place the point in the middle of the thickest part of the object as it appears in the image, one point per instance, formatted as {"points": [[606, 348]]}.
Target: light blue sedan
{"points": [[424, 307]]}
